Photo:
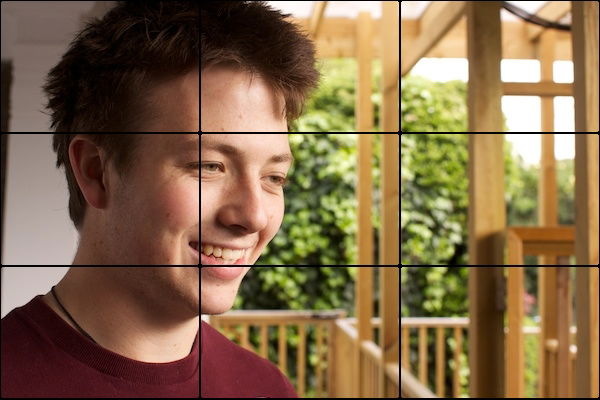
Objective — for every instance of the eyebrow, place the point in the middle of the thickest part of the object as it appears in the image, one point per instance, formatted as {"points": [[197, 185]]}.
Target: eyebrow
{"points": [[234, 151]]}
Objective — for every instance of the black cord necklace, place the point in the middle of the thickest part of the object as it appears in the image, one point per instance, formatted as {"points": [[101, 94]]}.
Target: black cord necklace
{"points": [[70, 317]]}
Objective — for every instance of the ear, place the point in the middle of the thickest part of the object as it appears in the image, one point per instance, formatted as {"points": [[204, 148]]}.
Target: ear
{"points": [[87, 162]]}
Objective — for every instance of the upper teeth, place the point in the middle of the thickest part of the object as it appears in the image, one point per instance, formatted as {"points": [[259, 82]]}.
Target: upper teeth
{"points": [[227, 254]]}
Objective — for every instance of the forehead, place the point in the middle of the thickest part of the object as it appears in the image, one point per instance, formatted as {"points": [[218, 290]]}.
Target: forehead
{"points": [[233, 100]]}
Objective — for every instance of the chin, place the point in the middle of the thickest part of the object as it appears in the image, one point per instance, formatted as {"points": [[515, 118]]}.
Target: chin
{"points": [[213, 308]]}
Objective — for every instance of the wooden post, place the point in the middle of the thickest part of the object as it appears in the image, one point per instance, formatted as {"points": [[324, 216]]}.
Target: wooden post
{"points": [[515, 345], [484, 50], [486, 332], [364, 59], [390, 201], [364, 313], [548, 329], [584, 33], [547, 193], [365, 200], [586, 198], [390, 60], [487, 211], [546, 56], [587, 332], [389, 282], [563, 317]]}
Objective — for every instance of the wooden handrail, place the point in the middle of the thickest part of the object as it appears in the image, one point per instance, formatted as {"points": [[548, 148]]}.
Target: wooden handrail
{"points": [[411, 387]]}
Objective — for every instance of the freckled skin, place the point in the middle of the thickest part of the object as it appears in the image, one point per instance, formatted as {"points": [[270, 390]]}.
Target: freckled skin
{"points": [[237, 101], [152, 212]]}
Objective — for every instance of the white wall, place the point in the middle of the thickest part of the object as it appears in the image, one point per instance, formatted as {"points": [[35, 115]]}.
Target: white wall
{"points": [[35, 35], [37, 228], [21, 284]]}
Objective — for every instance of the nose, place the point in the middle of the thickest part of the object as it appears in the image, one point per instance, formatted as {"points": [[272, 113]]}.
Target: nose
{"points": [[245, 211]]}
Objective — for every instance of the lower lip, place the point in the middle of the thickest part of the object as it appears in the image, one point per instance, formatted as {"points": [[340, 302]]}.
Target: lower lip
{"points": [[195, 252], [224, 273]]}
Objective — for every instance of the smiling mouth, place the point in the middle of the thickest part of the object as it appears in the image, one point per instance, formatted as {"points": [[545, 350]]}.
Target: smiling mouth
{"points": [[194, 246], [220, 255]]}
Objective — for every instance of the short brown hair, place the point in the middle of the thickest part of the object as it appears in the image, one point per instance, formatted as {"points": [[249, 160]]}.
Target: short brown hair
{"points": [[101, 82], [120, 149], [252, 35]]}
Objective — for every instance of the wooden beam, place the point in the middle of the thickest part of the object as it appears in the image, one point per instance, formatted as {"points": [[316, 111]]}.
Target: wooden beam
{"points": [[586, 199], [390, 62], [587, 332], [515, 344], [552, 11], [544, 88], [364, 60], [486, 332], [487, 209], [316, 18], [484, 45], [432, 30], [515, 44], [585, 65]]}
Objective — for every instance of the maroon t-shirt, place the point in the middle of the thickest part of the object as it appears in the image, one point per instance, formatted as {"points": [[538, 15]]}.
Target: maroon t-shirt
{"points": [[229, 370], [43, 356]]}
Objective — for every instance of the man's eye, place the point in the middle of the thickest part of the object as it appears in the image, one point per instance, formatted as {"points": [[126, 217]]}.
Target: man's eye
{"points": [[278, 180], [212, 167]]}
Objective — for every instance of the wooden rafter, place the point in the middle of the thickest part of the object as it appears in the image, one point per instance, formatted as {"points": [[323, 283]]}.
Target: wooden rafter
{"points": [[316, 18], [436, 21], [552, 11]]}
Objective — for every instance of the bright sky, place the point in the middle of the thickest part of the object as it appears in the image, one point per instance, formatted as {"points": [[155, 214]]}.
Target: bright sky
{"points": [[523, 113], [529, 146]]}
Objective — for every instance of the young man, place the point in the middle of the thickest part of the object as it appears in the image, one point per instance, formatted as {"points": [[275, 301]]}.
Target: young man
{"points": [[134, 70], [227, 369], [133, 198], [242, 195], [257, 68], [106, 332]]}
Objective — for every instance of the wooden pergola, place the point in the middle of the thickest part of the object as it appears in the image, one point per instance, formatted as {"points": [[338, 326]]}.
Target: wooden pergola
{"points": [[364, 39], [441, 31]]}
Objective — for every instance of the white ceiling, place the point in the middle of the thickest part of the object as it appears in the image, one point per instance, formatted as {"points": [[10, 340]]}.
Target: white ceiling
{"points": [[414, 9]]}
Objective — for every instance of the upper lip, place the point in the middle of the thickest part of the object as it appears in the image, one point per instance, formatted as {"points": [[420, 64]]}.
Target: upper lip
{"points": [[228, 246]]}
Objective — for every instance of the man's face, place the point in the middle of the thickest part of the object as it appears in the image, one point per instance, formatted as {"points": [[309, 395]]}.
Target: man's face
{"points": [[174, 105], [237, 101], [152, 213], [218, 288], [242, 195]]}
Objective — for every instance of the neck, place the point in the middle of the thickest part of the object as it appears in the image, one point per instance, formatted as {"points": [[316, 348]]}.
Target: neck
{"points": [[137, 327]]}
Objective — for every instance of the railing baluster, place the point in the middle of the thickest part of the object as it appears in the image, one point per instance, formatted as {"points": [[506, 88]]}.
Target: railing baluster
{"points": [[406, 349], [423, 355], [440, 359], [457, 354]]}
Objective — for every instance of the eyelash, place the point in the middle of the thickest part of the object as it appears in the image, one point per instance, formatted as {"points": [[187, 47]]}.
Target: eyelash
{"points": [[275, 179]]}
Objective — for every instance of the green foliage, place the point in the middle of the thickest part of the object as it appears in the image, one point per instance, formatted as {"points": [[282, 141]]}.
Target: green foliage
{"points": [[434, 197], [331, 107], [428, 106], [319, 227]]}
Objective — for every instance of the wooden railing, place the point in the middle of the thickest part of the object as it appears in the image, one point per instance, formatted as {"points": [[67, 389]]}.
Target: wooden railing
{"points": [[237, 324], [411, 387], [336, 349], [458, 326]]}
